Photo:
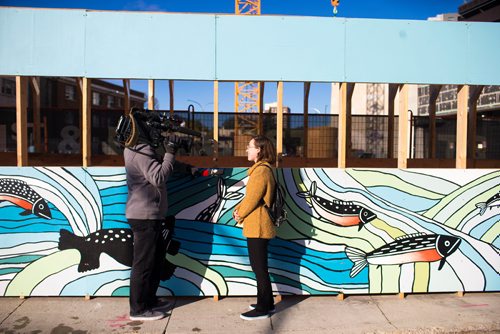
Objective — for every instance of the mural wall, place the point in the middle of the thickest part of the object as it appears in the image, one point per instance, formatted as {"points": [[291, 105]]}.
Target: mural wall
{"points": [[63, 232]]}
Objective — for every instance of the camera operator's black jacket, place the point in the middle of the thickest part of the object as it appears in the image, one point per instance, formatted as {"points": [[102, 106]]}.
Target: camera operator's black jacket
{"points": [[147, 178]]}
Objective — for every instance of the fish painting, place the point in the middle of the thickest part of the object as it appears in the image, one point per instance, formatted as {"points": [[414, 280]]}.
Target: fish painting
{"points": [[117, 243], [208, 214], [338, 212], [18, 192], [493, 201], [406, 249]]}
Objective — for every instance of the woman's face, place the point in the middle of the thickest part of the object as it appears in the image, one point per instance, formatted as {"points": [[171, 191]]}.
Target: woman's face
{"points": [[252, 151]]}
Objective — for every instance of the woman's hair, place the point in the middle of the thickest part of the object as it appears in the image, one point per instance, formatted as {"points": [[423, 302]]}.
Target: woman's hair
{"points": [[267, 151]]}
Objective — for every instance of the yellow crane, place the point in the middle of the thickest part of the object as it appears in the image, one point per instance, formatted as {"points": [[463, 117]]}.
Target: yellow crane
{"points": [[247, 95]]}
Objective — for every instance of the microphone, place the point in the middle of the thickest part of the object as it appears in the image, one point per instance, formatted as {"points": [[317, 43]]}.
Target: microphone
{"points": [[212, 172]]}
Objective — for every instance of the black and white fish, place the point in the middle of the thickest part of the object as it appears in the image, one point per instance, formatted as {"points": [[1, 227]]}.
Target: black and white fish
{"points": [[18, 192], [208, 214], [338, 212], [117, 243], [406, 249], [493, 201]]}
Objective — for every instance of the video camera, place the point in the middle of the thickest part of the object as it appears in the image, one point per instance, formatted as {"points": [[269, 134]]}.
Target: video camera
{"points": [[150, 127]]}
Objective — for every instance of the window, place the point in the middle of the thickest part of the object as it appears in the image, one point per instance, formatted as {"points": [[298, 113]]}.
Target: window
{"points": [[8, 87], [110, 101], [96, 98], [69, 92]]}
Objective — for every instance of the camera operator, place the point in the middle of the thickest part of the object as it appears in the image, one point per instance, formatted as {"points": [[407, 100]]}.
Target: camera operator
{"points": [[147, 174]]}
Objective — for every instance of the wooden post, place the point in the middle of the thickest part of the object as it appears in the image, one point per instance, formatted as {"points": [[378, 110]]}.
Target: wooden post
{"points": [[151, 94], [279, 124], [307, 90], [344, 134], [403, 127], [171, 95], [79, 87], [216, 298], [460, 293], [22, 120], [260, 129], [86, 121], [461, 147], [433, 95], [393, 89], [37, 134], [401, 295], [216, 121], [341, 296], [472, 123], [126, 96]]}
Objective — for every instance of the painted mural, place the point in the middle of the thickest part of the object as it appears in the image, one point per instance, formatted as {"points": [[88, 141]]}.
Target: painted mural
{"points": [[63, 232]]}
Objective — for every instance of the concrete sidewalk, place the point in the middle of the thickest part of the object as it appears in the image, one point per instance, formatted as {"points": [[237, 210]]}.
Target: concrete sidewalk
{"points": [[427, 313]]}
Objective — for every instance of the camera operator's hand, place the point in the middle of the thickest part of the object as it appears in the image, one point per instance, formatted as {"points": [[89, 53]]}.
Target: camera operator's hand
{"points": [[171, 144]]}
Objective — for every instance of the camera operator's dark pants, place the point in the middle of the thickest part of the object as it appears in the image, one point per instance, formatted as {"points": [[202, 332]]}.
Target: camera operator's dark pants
{"points": [[149, 256], [257, 252]]}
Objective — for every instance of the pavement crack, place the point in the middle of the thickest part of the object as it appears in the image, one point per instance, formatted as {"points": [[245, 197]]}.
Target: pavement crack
{"points": [[386, 318], [14, 310], [169, 316]]}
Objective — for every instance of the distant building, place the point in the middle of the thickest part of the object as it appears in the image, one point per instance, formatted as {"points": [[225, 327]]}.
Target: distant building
{"points": [[61, 92], [488, 104], [444, 17], [60, 103], [480, 11]]}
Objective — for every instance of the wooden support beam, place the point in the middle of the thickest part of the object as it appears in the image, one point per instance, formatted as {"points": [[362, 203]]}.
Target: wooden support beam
{"points": [[341, 296], [393, 89], [87, 297], [22, 120], [460, 293], [403, 127], [216, 122], [433, 95], [216, 298], [278, 299], [37, 133], [462, 107], [171, 95], [79, 88], [475, 92], [151, 94], [126, 96], [401, 295], [344, 132], [279, 124], [260, 129], [307, 89], [86, 121]]}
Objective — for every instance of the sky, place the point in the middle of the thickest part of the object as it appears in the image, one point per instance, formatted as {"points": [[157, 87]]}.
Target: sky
{"points": [[200, 94]]}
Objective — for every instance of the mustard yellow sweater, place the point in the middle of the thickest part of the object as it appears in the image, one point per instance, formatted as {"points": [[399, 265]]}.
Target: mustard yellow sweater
{"points": [[253, 214]]}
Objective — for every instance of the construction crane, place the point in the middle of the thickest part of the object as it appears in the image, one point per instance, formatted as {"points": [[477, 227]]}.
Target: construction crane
{"points": [[247, 95]]}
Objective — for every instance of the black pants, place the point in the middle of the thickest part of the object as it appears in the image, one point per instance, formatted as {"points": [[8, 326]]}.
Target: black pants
{"points": [[257, 252], [149, 253]]}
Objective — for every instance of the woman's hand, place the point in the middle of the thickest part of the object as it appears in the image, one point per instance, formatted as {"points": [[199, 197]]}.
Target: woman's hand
{"points": [[236, 216]]}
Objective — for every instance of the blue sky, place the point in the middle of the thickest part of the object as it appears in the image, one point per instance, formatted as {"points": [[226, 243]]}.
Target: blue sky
{"points": [[200, 94]]}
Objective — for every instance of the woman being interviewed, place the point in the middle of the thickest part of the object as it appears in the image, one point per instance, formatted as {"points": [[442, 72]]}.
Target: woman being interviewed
{"points": [[257, 225]]}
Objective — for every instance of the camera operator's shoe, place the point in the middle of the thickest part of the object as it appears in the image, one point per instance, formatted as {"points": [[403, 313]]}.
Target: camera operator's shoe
{"points": [[254, 315], [253, 306], [148, 315], [161, 306]]}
